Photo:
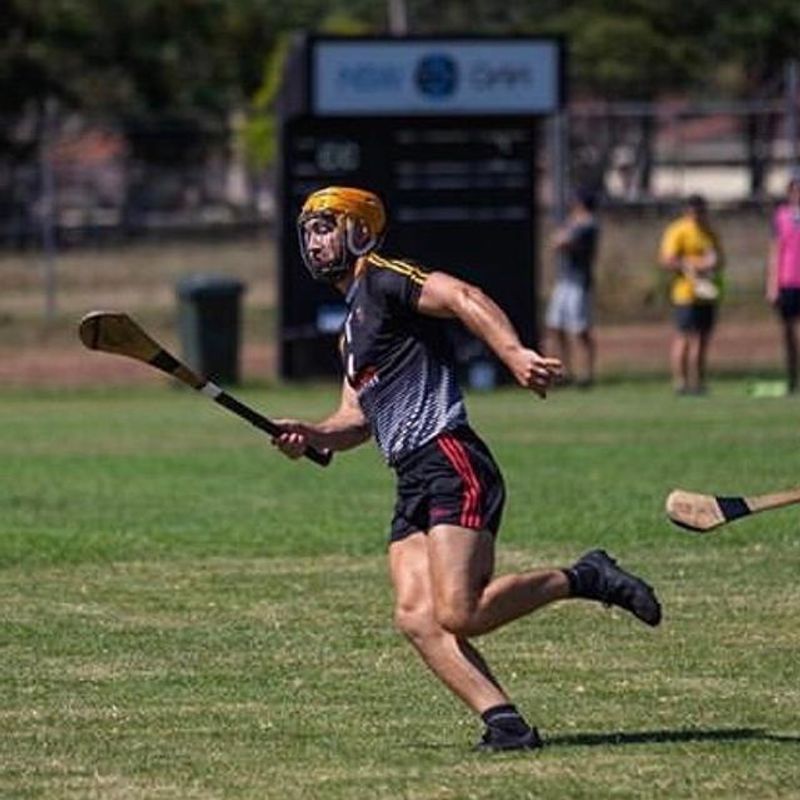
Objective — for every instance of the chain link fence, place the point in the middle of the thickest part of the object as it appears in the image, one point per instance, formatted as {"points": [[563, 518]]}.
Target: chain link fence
{"points": [[83, 182], [79, 180], [642, 153]]}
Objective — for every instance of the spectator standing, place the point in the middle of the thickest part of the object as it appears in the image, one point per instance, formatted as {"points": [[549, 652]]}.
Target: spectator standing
{"points": [[783, 274], [692, 253], [569, 317]]}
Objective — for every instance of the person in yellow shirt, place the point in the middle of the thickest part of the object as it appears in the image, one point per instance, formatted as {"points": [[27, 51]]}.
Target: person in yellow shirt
{"points": [[692, 254]]}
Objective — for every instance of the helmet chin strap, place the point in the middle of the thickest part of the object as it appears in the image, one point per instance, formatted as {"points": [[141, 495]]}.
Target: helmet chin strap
{"points": [[333, 272]]}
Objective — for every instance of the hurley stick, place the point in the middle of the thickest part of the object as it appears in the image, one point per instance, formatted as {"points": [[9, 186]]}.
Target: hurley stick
{"points": [[117, 333], [704, 512]]}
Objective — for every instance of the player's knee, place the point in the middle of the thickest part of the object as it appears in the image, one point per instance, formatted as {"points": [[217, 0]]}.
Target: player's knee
{"points": [[414, 620], [456, 619]]}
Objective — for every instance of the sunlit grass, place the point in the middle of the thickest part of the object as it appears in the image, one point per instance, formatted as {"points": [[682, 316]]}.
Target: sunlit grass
{"points": [[188, 615]]}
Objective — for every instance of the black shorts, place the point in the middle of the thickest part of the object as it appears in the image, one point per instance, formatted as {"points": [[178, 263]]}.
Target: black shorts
{"points": [[695, 318], [788, 303], [451, 480]]}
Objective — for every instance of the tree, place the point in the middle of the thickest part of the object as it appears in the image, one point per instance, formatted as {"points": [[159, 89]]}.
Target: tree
{"points": [[261, 129], [188, 62], [759, 38]]}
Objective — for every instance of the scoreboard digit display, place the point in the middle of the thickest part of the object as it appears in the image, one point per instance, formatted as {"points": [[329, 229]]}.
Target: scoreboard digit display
{"points": [[460, 188]]}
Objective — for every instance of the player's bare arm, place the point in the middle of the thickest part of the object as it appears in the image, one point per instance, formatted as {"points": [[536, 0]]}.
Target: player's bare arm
{"points": [[560, 240], [771, 288], [344, 429], [446, 296], [672, 262], [675, 262]]}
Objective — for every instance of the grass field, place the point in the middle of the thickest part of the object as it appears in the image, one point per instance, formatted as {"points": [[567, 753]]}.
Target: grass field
{"points": [[188, 615]]}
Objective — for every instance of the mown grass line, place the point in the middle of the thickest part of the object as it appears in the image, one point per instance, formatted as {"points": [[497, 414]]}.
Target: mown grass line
{"points": [[187, 615]]}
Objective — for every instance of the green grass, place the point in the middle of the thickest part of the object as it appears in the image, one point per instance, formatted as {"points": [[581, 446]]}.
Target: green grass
{"points": [[188, 615]]}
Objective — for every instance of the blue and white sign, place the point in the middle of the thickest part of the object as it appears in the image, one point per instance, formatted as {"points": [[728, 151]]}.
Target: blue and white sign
{"points": [[434, 77]]}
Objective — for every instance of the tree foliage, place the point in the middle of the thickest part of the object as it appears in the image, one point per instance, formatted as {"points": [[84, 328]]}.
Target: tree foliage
{"points": [[193, 63], [186, 62]]}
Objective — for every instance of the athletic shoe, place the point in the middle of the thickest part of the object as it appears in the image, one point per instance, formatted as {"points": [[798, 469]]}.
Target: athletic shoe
{"points": [[599, 578], [495, 740]]}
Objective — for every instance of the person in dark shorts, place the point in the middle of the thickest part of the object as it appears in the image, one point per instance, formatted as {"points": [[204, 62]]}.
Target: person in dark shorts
{"points": [[400, 388], [783, 276], [691, 252]]}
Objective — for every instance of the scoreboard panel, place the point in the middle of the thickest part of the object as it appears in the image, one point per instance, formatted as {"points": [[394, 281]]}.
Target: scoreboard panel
{"points": [[460, 194]]}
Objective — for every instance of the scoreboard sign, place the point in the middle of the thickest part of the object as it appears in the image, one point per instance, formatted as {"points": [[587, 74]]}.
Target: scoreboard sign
{"points": [[429, 77], [445, 130]]}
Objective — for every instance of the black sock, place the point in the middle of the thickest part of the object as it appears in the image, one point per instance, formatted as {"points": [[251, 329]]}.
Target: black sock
{"points": [[582, 580], [506, 718]]}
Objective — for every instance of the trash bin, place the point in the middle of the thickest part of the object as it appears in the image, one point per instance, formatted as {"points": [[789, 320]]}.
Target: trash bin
{"points": [[208, 321]]}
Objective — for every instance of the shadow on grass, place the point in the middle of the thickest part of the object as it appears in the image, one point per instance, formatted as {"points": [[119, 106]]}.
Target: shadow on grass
{"points": [[645, 737], [656, 737]]}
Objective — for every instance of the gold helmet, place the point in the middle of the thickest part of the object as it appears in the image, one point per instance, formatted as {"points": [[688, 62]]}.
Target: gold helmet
{"points": [[358, 214]]}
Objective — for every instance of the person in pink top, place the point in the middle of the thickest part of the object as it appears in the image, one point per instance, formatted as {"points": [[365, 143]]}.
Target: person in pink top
{"points": [[783, 274]]}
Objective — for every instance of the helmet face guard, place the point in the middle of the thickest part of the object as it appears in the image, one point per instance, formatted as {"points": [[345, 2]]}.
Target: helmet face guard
{"points": [[329, 271], [357, 216]]}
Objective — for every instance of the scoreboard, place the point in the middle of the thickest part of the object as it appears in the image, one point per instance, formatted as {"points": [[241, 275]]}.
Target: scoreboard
{"points": [[459, 184]]}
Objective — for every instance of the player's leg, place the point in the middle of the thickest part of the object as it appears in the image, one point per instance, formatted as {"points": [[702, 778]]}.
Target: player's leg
{"points": [[705, 321], [558, 344], [558, 340], [467, 600], [701, 359], [588, 348], [584, 336], [467, 494], [792, 353], [678, 360], [467, 676], [789, 325], [787, 307], [468, 603], [692, 350], [451, 658]]}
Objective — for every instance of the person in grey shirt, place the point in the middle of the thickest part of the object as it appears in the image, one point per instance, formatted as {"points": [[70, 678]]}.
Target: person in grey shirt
{"points": [[569, 317]]}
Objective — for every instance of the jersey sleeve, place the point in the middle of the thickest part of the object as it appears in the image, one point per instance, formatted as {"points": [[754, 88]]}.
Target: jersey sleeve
{"points": [[400, 283], [671, 245]]}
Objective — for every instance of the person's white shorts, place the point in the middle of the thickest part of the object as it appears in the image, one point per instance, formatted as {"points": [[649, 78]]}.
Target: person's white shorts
{"points": [[570, 308]]}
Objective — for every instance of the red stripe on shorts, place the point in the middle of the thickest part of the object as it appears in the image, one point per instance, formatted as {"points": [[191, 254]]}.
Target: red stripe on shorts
{"points": [[459, 458]]}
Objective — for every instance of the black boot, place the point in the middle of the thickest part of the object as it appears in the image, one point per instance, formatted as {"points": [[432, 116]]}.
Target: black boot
{"points": [[596, 576]]}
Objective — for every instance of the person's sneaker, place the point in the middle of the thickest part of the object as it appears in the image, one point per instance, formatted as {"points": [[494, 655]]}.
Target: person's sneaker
{"points": [[597, 577], [495, 740]]}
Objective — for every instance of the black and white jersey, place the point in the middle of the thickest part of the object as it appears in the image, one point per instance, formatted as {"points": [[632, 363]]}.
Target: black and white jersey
{"points": [[398, 361]]}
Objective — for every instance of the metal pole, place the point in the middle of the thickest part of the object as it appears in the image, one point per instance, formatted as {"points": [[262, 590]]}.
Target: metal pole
{"points": [[559, 176], [48, 211], [791, 110], [559, 159], [398, 17]]}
